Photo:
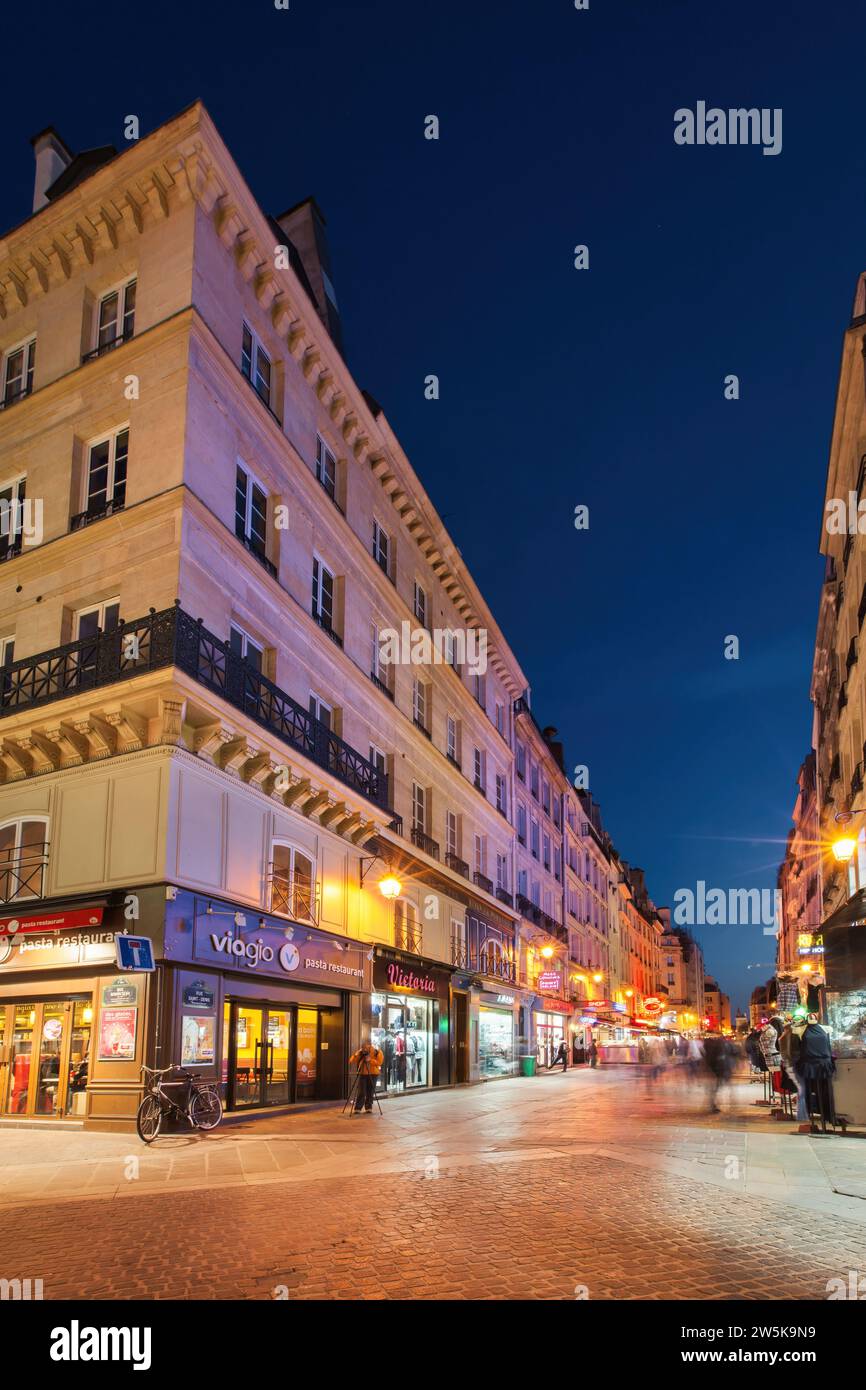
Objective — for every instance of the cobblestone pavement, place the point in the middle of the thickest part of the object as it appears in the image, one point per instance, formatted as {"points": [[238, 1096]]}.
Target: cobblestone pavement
{"points": [[540, 1189]]}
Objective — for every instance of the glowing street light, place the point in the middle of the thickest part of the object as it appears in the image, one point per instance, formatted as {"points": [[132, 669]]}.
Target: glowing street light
{"points": [[843, 849], [390, 887]]}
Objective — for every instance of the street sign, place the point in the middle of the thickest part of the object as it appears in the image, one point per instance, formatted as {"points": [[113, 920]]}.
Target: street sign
{"points": [[134, 952]]}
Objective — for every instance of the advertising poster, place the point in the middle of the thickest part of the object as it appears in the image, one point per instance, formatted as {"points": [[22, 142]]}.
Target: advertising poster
{"points": [[197, 1039], [117, 1035]]}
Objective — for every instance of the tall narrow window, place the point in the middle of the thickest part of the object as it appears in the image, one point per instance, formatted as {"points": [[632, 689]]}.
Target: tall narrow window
{"points": [[481, 690], [326, 468], [502, 873], [481, 855], [419, 808], [451, 843], [18, 372], [116, 320], [106, 475], [479, 768], [251, 512], [7, 656], [92, 624], [419, 704], [292, 883], [12, 498], [255, 364], [323, 595], [451, 735], [321, 710], [521, 823], [500, 718], [500, 793], [420, 604], [23, 857], [382, 548], [243, 646]]}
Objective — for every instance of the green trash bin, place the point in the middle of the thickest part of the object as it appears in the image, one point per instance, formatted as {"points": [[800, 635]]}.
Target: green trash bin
{"points": [[527, 1066]]}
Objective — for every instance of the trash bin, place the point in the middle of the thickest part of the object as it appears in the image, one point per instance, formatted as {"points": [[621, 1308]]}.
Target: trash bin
{"points": [[527, 1066]]}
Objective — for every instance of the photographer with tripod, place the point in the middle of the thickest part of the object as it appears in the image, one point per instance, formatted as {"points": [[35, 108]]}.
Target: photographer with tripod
{"points": [[368, 1060]]}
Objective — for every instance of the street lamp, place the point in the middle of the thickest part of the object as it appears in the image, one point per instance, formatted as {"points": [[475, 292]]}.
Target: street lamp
{"points": [[843, 849], [390, 887]]}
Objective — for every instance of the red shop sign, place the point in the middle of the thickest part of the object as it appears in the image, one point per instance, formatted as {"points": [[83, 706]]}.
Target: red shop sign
{"points": [[81, 917]]}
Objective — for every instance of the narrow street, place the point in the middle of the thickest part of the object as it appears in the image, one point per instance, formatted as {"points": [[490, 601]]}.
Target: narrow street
{"points": [[588, 1185]]}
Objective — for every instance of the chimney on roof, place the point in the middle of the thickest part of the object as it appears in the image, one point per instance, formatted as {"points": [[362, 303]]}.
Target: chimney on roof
{"points": [[52, 157], [304, 225]]}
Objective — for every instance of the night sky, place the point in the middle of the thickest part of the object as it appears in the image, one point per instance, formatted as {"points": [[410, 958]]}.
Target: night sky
{"points": [[561, 387]]}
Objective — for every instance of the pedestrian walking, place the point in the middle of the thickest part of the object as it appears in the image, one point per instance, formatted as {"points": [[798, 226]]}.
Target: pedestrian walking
{"points": [[719, 1062], [368, 1059], [562, 1056], [815, 1067], [789, 1051], [593, 1053]]}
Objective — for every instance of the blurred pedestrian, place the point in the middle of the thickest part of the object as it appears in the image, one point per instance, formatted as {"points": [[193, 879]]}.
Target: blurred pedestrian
{"points": [[719, 1062], [561, 1056], [593, 1053]]}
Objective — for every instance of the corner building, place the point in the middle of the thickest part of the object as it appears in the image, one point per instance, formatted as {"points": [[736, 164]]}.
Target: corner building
{"points": [[199, 739]]}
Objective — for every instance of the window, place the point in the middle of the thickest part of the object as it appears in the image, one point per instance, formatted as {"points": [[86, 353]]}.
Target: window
{"points": [[500, 718], [451, 840], [407, 929], [323, 595], [502, 873], [451, 739], [23, 857], [321, 710], [116, 321], [380, 671], [243, 646], [546, 844], [419, 808], [292, 886], [18, 373], [545, 796], [382, 548], [522, 883], [326, 468], [12, 498], [481, 855], [419, 704], [479, 766], [520, 761], [251, 512], [420, 604], [106, 474], [379, 760], [256, 365], [101, 618], [534, 838], [533, 780], [481, 690], [521, 823], [500, 793]]}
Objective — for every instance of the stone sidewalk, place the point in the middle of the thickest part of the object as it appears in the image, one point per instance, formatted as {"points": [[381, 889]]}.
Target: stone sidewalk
{"points": [[552, 1119]]}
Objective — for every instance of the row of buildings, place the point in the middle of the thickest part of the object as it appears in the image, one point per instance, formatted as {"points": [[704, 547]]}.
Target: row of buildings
{"points": [[253, 706], [821, 958]]}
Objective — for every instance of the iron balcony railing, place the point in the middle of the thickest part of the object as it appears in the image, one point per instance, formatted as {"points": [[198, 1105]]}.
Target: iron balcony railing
{"points": [[423, 841], [380, 685], [505, 897], [457, 864], [22, 872], [408, 936], [489, 960], [172, 638], [107, 507], [482, 881], [293, 895], [108, 346]]}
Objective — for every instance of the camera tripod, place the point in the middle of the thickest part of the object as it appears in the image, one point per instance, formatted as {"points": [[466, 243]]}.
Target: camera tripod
{"points": [[354, 1092]]}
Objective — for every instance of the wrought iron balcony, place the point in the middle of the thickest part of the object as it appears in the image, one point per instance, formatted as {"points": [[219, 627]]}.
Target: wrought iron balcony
{"points": [[505, 897], [408, 936], [490, 960], [10, 546], [423, 841], [108, 346], [380, 685], [293, 895], [22, 872], [172, 638], [482, 881], [107, 507], [325, 625], [423, 727], [257, 553], [458, 865]]}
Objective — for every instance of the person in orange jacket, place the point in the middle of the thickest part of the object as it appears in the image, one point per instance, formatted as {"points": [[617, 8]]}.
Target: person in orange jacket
{"points": [[368, 1059]]}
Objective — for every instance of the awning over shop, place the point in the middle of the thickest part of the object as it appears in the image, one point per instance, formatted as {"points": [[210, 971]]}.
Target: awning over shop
{"points": [[854, 910]]}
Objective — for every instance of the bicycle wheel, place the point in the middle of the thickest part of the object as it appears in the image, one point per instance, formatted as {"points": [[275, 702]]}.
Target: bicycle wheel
{"points": [[148, 1121], [205, 1109]]}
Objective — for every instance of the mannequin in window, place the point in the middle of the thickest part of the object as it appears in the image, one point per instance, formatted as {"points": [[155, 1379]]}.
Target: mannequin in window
{"points": [[388, 1045]]}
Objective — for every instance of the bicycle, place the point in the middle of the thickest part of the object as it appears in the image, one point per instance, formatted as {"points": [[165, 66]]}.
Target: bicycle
{"points": [[200, 1102]]}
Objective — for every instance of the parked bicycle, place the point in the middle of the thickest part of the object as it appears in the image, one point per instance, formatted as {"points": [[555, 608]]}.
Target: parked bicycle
{"points": [[187, 1098]]}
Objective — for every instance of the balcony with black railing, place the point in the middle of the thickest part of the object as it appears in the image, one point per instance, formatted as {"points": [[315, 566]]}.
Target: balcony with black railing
{"points": [[325, 624], [257, 552], [380, 685], [107, 346], [482, 881], [408, 936], [505, 897], [457, 864], [422, 840], [490, 959], [22, 872], [172, 638], [96, 511]]}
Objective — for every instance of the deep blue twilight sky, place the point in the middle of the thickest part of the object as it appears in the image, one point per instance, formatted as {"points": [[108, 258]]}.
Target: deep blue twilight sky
{"points": [[557, 386]]}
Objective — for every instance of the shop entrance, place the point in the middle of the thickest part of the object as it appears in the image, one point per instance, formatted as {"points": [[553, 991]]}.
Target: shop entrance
{"points": [[44, 1056], [402, 1029], [549, 1033], [270, 1054]]}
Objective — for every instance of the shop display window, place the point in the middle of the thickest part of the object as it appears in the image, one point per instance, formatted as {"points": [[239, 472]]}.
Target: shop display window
{"points": [[495, 1042], [402, 1030]]}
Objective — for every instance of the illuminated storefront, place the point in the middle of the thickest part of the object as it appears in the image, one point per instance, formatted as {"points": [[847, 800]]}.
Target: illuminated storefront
{"points": [[408, 1018], [497, 1035]]}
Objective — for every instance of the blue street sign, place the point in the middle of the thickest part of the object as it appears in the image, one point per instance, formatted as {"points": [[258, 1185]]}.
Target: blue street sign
{"points": [[134, 953]]}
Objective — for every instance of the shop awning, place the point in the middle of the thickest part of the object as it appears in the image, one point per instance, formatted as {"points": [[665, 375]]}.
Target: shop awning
{"points": [[854, 910]]}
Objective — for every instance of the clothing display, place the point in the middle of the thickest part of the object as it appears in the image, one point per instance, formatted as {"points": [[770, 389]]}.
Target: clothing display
{"points": [[404, 1037]]}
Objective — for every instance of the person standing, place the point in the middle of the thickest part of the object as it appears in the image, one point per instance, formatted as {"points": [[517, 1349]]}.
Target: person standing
{"points": [[368, 1059], [562, 1056], [593, 1053], [815, 1067]]}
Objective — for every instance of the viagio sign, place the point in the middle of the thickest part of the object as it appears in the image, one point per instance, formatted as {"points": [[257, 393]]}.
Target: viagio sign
{"points": [[252, 953]]}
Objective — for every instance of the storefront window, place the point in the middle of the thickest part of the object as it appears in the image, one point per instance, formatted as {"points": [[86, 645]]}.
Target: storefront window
{"points": [[305, 1065], [402, 1029], [495, 1042], [197, 1039], [549, 1033]]}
